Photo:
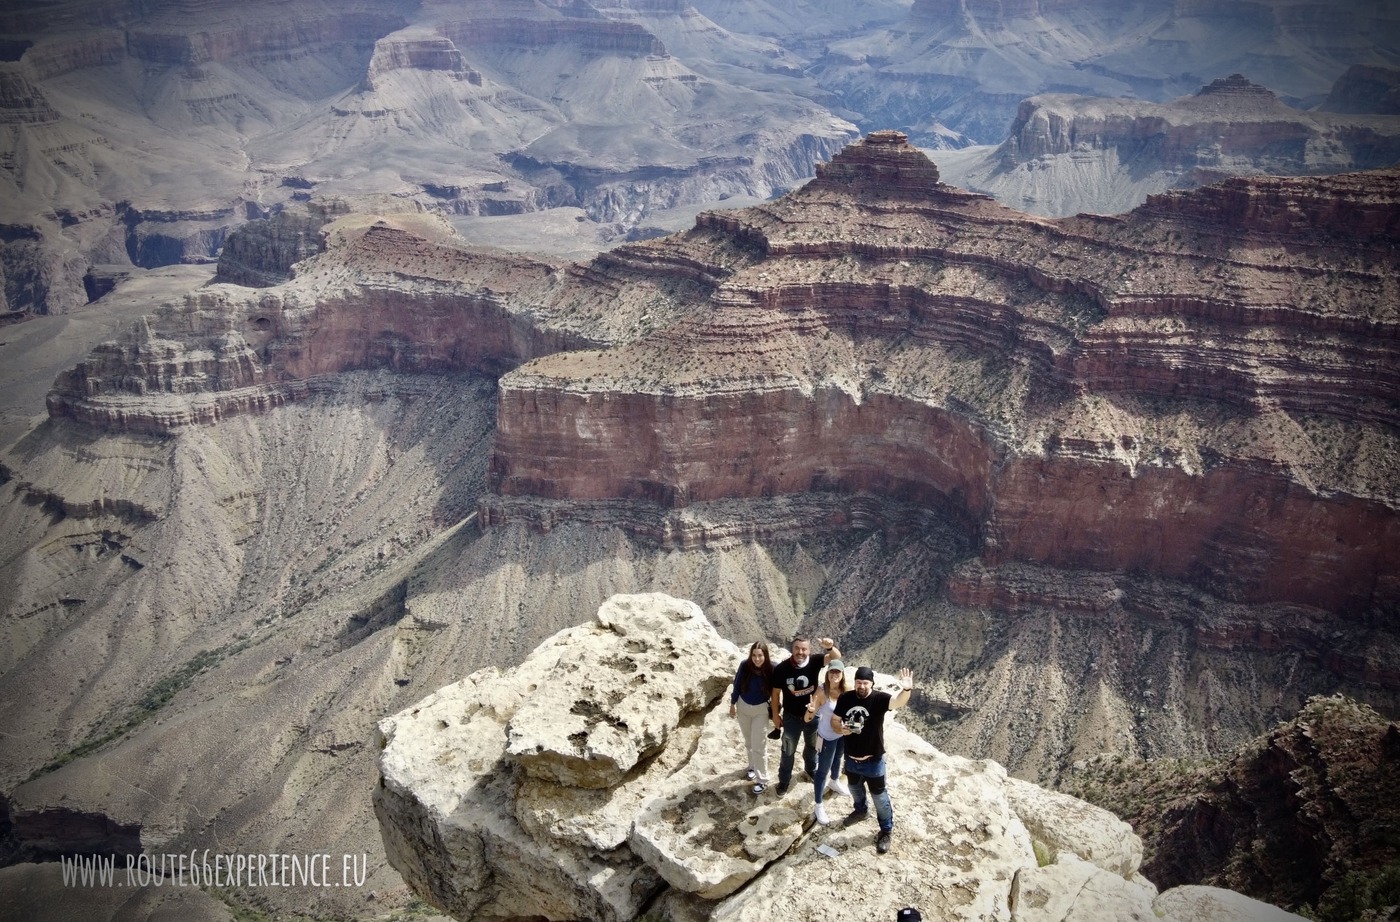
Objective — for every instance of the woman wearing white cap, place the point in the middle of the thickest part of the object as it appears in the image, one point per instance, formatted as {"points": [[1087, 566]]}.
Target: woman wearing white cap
{"points": [[832, 745]]}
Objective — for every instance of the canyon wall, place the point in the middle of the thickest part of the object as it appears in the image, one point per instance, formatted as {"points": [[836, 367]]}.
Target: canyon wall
{"points": [[1101, 397], [1183, 392], [954, 72], [1117, 485], [1068, 153]]}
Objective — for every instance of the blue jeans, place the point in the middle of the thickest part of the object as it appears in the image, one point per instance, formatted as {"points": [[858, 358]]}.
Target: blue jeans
{"points": [[828, 765], [792, 729], [871, 772]]}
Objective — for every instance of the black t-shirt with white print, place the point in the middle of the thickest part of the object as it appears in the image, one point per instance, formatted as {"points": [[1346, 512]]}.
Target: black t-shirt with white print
{"points": [[798, 683], [865, 717]]}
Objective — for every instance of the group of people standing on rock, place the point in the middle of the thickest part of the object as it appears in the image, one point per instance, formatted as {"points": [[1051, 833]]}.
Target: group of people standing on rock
{"points": [[808, 698]]}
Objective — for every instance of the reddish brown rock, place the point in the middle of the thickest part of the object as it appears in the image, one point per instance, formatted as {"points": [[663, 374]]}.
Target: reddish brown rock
{"points": [[1301, 816], [1176, 393], [1203, 391]]}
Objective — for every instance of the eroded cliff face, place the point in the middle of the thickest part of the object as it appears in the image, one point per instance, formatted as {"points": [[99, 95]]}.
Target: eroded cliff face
{"points": [[148, 134], [1120, 485], [602, 779], [1067, 153], [230, 350], [1159, 394], [1201, 392]]}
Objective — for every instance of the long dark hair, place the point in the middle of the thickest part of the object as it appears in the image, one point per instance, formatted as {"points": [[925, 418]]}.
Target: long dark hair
{"points": [[746, 669], [826, 681]]}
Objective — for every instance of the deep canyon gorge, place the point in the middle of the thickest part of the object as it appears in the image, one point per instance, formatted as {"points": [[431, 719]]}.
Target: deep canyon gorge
{"points": [[1108, 451], [1105, 511]]}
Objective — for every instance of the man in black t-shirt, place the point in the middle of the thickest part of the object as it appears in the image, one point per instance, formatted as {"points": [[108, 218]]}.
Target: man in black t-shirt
{"points": [[795, 679], [860, 718]]}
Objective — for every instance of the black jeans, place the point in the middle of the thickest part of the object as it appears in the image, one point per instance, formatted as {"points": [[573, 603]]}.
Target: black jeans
{"points": [[791, 730]]}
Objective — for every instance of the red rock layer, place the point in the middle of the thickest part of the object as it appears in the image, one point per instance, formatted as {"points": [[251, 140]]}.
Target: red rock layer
{"points": [[229, 352], [1204, 390], [878, 333]]}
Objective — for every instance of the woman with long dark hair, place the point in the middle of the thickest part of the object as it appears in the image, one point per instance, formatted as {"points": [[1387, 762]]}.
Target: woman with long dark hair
{"points": [[753, 684]]}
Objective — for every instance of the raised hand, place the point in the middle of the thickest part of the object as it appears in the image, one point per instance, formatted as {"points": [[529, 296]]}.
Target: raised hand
{"points": [[906, 679]]}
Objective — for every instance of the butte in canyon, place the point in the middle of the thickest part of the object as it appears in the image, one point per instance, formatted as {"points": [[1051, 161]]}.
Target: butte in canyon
{"points": [[1118, 486]]}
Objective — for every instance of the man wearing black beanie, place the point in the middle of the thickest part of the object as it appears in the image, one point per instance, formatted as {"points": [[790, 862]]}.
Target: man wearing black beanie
{"points": [[860, 718]]}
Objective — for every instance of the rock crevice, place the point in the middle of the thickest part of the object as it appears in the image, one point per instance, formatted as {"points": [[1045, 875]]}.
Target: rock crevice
{"points": [[488, 826]]}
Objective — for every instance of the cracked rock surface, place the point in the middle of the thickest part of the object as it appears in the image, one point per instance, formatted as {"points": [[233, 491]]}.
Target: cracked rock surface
{"points": [[485, 826]]}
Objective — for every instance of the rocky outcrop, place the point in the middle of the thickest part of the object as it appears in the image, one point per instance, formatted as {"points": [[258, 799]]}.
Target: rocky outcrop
{"points": [[1296, 817], [1365, 90], [161, 237], [423, 51], [886, 166], [227, 352], [21, 102], [485, 827], [516, 743], [260, 254], [592, 722]]}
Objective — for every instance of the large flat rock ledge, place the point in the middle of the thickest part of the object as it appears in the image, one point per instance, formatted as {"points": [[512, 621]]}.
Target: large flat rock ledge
{"points": [[602, 780]]}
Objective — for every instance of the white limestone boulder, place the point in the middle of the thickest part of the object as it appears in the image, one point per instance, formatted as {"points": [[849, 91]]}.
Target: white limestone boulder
{"points": [[617, 689], [703, 829], [1214, 904], [1074, 890], [449, 797], [1064, 823]]}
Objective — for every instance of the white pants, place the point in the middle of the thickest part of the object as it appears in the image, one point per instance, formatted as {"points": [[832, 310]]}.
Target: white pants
{"points": [[753, 726]]}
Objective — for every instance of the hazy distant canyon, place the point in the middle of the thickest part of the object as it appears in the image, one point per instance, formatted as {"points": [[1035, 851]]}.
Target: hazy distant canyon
{"points": [[1121, 483], [140, 135], [1117, 485]]}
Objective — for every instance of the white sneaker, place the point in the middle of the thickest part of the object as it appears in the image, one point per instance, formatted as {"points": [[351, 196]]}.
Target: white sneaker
{"points": [[822, 818], [840, 787], [751, 775]]}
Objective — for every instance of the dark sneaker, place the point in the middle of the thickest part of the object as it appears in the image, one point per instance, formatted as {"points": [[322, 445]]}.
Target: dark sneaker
{"points": [[882, 841], [782, 789], [855, 816]]}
